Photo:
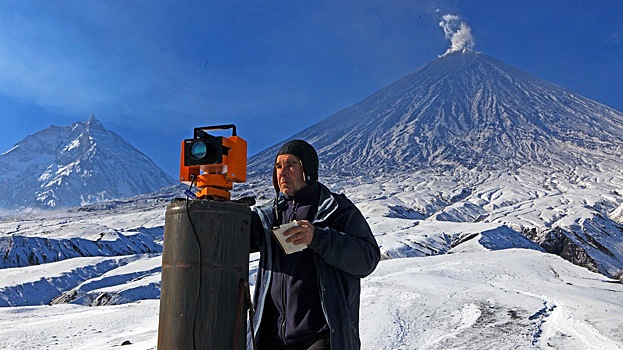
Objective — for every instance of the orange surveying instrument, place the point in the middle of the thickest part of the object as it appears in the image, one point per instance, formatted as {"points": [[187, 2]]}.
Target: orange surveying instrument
{"points": [[213, 163]]}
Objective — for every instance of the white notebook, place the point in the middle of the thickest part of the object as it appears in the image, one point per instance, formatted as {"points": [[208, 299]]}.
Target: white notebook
{"points": [[287, 247]]}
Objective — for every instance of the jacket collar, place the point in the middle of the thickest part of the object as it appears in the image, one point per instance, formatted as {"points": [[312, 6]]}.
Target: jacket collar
{"points": [[327, 204]]}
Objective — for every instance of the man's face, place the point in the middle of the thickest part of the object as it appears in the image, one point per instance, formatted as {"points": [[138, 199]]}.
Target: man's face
{"points": [[289, 174]]}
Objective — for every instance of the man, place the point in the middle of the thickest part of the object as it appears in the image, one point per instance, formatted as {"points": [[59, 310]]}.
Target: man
{"points": [[309, 299]]}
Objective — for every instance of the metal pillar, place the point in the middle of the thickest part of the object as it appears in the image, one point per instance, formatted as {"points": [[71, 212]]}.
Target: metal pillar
{"points": [[205, 267]]}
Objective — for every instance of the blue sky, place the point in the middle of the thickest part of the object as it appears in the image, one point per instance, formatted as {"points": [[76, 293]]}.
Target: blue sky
{"points": [[151, 71]]}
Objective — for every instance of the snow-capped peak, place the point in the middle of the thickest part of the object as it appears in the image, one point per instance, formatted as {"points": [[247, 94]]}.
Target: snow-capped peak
{"points": [[74, 165]]}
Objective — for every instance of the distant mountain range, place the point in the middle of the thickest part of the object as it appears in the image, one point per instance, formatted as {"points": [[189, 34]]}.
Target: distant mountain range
{"points": [[75, 165]]}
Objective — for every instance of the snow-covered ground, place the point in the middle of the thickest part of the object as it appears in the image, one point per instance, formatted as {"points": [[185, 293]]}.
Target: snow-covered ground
{"points": [[472, 299], [506, 299], [456, 274]]}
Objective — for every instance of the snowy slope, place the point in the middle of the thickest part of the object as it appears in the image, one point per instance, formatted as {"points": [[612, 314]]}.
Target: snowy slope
{"points": [[485, 286], [574, 212], [109, 229], [509, 299], [75, 165]]}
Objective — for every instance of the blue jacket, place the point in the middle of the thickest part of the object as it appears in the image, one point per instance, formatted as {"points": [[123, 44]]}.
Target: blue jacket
{"points": [[345, 251]]}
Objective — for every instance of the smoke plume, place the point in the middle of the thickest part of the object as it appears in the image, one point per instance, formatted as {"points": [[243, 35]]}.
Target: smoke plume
{"points": [[459, 33]]}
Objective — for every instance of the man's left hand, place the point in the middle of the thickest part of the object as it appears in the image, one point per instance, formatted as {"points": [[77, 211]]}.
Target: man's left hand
{"points": [[301, 234]]}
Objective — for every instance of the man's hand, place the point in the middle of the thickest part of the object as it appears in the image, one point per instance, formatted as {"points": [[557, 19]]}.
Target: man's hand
{"points": [[301, 234]]}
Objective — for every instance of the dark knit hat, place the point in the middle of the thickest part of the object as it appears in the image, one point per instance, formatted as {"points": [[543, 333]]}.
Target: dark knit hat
{"points": [[308, 156]]}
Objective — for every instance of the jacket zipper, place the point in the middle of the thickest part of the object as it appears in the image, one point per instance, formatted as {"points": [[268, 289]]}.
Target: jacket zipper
{"points": [[321, 290], [283, 306], [283, 281]]}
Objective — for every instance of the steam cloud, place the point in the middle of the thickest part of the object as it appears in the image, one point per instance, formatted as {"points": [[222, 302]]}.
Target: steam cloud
{"points": [[459, 33]]}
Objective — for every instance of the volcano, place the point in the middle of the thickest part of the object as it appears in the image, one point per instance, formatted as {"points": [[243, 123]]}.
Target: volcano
{"points": [[463, 109]]}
